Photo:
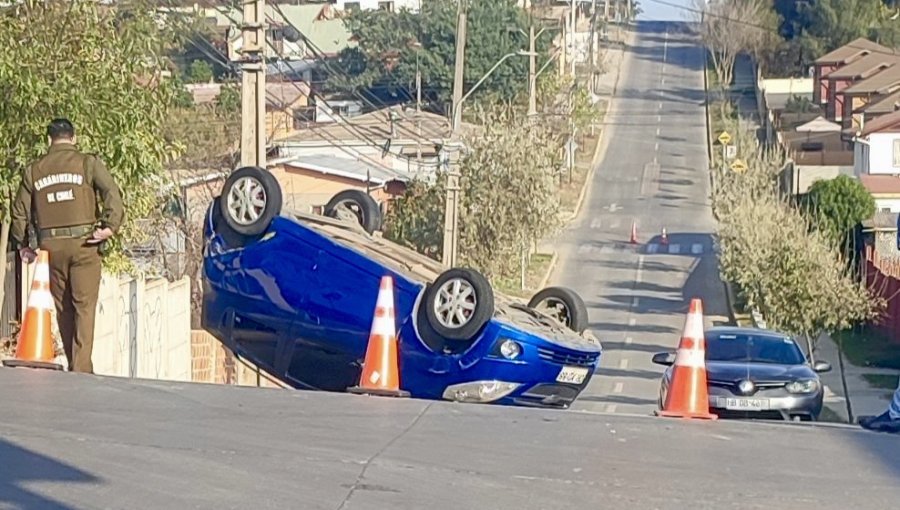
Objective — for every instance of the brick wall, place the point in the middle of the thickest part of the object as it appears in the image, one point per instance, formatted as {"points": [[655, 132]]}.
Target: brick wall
{"points": [[213, 363]]}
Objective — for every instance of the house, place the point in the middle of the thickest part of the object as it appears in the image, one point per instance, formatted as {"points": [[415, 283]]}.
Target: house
{"points": [[826, 64], [842, 81], [287, 105], [880, 106], [817, 151], [308, 182], [398, 138], [862, 93], [877, 160], [386, 5]]}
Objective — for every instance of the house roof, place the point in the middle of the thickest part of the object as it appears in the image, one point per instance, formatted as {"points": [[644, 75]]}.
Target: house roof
{"points": [[284, 94], [885, 104], [880, 83], [851, 50], [882, 220], [864, 67], [880, 184], [818, 125], [376, 127], [347, 168], [889, 122]]}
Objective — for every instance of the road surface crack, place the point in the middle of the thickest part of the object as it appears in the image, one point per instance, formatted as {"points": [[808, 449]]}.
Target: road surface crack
{"points": [[362, 474]]}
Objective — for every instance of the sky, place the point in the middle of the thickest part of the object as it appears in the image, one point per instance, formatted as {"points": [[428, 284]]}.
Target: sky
{"points": [[667, 10]]}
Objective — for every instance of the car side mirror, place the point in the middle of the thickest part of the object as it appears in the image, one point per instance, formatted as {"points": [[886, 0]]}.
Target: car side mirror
{"points": [[663, 358], [822, 366]]}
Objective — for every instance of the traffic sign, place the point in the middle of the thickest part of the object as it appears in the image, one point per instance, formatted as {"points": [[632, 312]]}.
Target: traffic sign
{"points": [[738, 166], [724, 138], [730, 151]]}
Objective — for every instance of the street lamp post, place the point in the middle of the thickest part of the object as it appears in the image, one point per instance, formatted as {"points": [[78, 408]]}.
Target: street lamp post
{"points": [[451, 205]]}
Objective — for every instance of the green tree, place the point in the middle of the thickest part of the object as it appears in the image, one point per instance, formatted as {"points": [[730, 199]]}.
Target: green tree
{"points": [[386, 56], [838, 205], [199, 72], [101, 72], [509, 198]]}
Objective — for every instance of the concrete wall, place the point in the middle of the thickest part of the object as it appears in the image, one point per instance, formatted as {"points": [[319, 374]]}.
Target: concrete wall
{"points": [[413, 5], [881, 153], [142, 327], [805, 175], [305, 189], [788, 85]]}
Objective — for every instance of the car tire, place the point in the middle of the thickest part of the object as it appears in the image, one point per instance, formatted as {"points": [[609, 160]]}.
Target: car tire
{"points": [[366, 212], [443, 304], [573, 312], [247, 183]]}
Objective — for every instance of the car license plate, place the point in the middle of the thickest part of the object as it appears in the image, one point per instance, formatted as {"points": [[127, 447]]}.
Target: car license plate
{"points": [[745, 404], [572, 375]]}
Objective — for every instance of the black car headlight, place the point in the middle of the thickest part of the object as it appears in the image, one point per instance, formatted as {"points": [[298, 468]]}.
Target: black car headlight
{"points": [[803, 386]]}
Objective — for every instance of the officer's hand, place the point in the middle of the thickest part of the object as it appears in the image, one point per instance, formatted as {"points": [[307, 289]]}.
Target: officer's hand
{"points": [[28, 255], [100, 235]]}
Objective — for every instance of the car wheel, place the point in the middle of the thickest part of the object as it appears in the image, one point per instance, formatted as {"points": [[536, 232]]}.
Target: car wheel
{"points": [[250, 200], [355, 205], [563, 304], [459, 303]]}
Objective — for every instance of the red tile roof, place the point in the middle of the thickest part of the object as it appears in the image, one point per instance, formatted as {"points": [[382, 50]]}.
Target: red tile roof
{"points": [[880, 184], [889, 122]]}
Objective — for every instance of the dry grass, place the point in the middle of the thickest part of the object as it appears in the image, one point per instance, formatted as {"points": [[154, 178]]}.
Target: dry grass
{"points": [[537, 269]]}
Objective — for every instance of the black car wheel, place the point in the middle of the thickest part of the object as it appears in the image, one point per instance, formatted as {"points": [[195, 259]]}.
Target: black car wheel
{"points": [[563, 304], [355, 205], [250, 200], [458, 304]]}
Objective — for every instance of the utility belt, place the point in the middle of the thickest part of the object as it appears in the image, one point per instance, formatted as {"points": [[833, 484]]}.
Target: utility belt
{"points": [[73, 232]]}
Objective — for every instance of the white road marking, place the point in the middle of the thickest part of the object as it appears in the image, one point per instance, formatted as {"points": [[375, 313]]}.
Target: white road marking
{"points": [[614, 223], [584, 249], [697, 248], [640, 268], [628, 340], [632, 321], [659, 118], [613, 207], [660, 105], [596, 223], [635, 301], [657, 130], [656, 147], [610, 408], [652, 248], [662, 81], [618, 387], [674, 249], [623, 364]]}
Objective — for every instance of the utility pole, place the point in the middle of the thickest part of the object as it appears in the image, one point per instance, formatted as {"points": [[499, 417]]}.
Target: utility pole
{"points": [[532, 74], [253, 85], [573, 39], [451, 206], [591, 61]]}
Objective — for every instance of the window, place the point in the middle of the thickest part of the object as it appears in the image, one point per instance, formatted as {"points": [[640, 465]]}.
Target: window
{"points": [[896, 152], [386, 6], [351, 6]]}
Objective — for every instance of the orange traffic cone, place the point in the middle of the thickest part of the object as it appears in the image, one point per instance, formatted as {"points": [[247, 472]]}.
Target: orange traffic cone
{"points": [[633, 233], [688, 395], [665, 236], [35, 347], [381, 375]]}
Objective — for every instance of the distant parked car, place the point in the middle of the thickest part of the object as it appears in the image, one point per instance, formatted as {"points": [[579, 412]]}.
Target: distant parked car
{"points": [[756, 373], [295, 293]]}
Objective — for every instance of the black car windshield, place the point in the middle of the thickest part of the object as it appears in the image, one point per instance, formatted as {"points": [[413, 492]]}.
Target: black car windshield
{"points": [[753, 349]]}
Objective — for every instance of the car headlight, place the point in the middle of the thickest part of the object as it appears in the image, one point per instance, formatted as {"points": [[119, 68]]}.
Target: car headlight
{"points": [[479, 391], [510, 349], [807, 386]]}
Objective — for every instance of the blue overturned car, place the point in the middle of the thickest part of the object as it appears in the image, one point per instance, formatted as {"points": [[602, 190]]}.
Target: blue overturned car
{"points": [[294, 293]]}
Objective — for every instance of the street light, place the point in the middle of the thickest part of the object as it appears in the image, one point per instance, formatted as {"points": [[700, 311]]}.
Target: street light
{"points": [[457, 108]]}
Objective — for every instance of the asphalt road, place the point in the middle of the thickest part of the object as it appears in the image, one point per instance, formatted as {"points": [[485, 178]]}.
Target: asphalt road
{"points": [[653, 174], [71, 441]]}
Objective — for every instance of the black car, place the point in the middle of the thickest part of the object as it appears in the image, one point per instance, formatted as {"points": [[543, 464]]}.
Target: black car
{"points": [[756, 373]]}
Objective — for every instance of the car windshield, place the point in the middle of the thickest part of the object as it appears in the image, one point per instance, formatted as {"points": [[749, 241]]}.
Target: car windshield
{"points": [[753, 349]]}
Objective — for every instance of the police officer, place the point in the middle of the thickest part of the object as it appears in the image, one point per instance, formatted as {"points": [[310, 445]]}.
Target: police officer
{"points": [[58, 195]]}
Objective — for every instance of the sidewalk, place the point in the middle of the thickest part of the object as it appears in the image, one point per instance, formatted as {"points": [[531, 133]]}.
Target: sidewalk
{"points": [[864, 399]]}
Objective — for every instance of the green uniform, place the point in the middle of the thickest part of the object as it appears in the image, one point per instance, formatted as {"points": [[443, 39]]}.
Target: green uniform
{"points": [[58, 195]]}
